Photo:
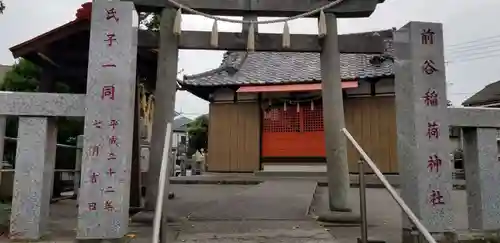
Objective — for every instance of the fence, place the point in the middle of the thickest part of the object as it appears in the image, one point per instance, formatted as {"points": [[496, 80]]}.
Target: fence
{"points": [[65, 179]]}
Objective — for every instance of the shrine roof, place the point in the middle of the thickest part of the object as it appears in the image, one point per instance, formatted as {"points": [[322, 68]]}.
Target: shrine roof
{"points": [[488, 95], [243, 68]]}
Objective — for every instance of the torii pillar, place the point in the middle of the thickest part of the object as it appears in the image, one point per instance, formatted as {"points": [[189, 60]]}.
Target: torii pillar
{"points": [[166, 86], [333, 118]]}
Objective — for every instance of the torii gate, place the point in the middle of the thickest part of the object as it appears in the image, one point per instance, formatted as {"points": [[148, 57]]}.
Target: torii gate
{"points": [[103, 200], [327, 43]]}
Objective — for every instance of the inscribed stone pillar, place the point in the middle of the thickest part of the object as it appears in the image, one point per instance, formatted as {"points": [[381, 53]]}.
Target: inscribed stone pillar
{"points": [[422, 126], [481, 172], [333, 113], [33, 178], [166, 86], [109, 118]]}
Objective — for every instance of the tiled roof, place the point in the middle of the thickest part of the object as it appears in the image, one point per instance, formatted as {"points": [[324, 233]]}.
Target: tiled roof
{"points": [[488, 95], [179, 124], [242, 68]]}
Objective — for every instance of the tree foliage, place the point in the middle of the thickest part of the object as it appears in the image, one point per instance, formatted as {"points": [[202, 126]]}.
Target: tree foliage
{"points": [[198, 134], [24, 77], [151, 21], [2, 7]]}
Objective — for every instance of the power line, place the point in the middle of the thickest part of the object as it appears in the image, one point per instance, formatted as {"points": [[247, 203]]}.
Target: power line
{"points": [[486, 47], [472, 42], [473, 54], [472, 59]]}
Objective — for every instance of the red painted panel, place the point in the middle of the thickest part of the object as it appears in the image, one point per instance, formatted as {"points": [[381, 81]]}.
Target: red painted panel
{"points": [[293, 144], [292, 133]]}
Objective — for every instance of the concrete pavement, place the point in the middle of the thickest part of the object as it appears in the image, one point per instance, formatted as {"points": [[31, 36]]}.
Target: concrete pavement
{"points": [[272, 212], [271, 200], [384, 215]]}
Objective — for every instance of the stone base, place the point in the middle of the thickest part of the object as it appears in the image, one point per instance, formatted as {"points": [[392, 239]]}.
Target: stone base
{"points": [[371, 241], [477, 236], [147, 217], [470, 236], [339, 217], [344, 210], [122, 240], [414, 236]]}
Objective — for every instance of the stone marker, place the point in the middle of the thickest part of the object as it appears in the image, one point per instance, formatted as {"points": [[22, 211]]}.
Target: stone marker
{"points": [[422, 125], [107, 154], [481, 172], [34, 177]]}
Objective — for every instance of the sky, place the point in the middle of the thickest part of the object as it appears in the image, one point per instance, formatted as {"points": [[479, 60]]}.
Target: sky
{"points": [[472, 39]]}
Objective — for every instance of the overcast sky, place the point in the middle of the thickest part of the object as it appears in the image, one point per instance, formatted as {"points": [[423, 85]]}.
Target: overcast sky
{"points": [[472, 38]]}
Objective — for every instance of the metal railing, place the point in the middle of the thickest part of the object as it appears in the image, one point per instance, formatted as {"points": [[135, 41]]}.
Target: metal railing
{"points": [[58, 145], [76, 173], [362, 194]]}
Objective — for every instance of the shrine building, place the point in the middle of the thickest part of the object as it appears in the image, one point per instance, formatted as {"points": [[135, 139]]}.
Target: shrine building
{"points": [[266, 110]]}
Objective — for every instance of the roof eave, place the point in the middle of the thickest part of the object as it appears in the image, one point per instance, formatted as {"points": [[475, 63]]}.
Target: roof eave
{"points": [[58, 33]]}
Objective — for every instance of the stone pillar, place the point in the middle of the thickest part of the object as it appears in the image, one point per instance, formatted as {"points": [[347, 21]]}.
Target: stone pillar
{"points": [[166, 86], [33, 178], [423, 144], [481, 172], [333, 115], [109, 122]]}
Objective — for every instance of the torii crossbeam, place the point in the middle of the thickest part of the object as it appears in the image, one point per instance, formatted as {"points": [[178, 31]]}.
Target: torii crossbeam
{"points": [[275, 8]]}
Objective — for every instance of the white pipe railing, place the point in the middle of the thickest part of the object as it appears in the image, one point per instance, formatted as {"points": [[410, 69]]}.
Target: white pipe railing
{"points": [[161, 187], [413, 218]]}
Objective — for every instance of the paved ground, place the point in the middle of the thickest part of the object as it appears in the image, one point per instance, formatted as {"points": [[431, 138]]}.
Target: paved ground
{"points": [[274, 211], [384, 215], [271, 200], [271, 212]]}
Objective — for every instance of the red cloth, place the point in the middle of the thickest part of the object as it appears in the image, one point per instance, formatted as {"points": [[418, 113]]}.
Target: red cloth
{"points": [[85, 11]]}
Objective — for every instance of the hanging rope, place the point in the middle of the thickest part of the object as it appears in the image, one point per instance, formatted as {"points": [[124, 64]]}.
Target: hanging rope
{"points": [[214, 40], [303, 15]]}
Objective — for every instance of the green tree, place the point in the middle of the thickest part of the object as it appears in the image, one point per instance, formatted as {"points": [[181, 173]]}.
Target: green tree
{"points": [[24, 77], [153, 23], [150, 21], [198, 134]]}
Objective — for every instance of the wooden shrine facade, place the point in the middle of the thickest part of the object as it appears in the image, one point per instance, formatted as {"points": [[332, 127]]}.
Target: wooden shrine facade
{"points": [[247, 135]]}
